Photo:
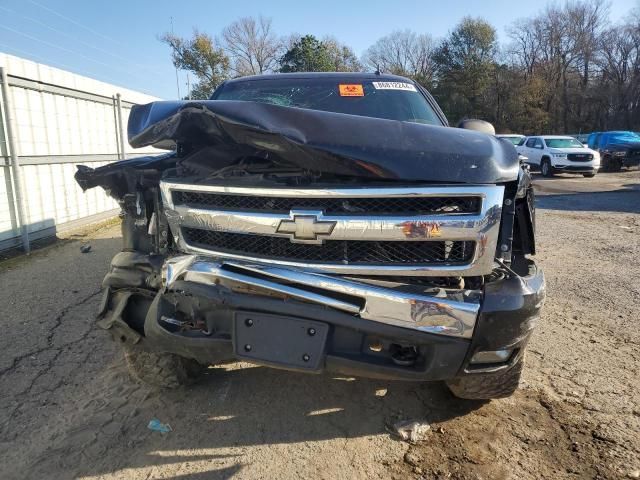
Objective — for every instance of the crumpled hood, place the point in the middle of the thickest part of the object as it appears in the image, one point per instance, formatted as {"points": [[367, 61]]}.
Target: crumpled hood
{"points": [[325, 142]]}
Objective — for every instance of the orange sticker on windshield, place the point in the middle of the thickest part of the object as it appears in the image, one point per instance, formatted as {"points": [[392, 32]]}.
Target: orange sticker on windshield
{"points": [[351, 90]]}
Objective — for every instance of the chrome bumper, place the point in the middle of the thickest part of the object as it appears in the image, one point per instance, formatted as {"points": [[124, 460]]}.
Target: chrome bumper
{"points": [[438, 314]]}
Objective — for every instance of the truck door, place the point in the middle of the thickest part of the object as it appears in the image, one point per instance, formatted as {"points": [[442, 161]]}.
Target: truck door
{"points": [[534, 153]]}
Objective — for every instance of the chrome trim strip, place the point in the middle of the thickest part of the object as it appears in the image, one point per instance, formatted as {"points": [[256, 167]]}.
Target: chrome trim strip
{"points": [[363, 192], [461, 227], [425, 313], [482, 228], [203, 272]]}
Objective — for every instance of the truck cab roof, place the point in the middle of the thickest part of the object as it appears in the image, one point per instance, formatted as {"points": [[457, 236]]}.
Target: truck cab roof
{"points": [[352, 76]]}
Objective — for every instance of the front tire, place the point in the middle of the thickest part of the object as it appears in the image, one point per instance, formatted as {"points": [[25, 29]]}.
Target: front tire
{"points": [[616, 165], [612, 164], [164, 370], [487, 386], [588, 175], [546, 168]]}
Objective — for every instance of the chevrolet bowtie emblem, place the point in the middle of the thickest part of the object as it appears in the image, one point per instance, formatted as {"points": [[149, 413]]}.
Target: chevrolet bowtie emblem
{"points": [[306, 228]]}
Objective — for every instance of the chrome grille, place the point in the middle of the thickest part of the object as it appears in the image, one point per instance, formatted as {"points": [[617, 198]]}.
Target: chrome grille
{"points": [[348, 252], [422, 231]]}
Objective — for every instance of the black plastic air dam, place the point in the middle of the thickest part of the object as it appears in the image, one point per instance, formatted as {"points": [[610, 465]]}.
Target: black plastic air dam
{"points": [[326, 142], [441, 356]]}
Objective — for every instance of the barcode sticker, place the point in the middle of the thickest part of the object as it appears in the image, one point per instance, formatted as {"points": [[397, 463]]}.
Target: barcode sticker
{"points": [[394, 86]]}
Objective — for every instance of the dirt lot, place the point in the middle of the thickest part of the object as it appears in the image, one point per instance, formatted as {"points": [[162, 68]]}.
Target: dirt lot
{"points": [[68, 409]]}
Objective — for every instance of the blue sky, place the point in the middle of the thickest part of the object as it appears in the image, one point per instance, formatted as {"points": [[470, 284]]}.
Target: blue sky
{"points": [[116, 40]]}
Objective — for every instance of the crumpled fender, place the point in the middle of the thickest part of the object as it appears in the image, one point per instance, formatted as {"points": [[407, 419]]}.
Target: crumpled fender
{"points": [[120, 178]]}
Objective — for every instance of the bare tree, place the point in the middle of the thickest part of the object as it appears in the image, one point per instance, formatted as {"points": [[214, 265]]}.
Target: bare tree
{"points": [[342, 56], [560, 45], [290, 40], [620, 64], [252, 45], [403, 52], [524, 49], [587, 21]]}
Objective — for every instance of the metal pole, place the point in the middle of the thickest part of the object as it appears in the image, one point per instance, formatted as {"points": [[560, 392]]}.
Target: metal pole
{"points": [[120, 125], [115, 127], [177, 81], [15, 163]]}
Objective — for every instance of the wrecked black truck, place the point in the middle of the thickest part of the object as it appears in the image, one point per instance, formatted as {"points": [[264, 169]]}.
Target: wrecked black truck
{"points": [[321, 222]]}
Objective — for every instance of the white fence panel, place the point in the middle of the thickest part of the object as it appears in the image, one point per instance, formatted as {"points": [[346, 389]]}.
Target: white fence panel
{"points": [[61, 120]]}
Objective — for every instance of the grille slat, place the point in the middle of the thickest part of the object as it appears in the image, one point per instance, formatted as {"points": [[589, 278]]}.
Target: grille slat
{"points": [[346, 252], [409, 206], [580, 157]]}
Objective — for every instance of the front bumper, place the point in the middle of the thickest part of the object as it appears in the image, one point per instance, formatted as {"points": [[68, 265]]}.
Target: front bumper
{"points": [[503, 317], [575, 167], [440, 311], [630, 160]]}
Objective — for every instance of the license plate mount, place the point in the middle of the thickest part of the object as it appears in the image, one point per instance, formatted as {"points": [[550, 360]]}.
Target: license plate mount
{"points": [[280, 341]]}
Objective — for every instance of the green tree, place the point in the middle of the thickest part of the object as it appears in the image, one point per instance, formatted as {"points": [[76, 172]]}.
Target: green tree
{"points": [[308, 54], [465, 62], [199, 55]]}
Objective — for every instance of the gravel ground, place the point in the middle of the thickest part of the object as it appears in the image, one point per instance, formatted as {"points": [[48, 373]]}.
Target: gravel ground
{"points": [[69, 410]]}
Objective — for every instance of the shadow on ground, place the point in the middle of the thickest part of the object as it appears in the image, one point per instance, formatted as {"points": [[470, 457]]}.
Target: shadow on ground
{"points": [[238, 407], [622, 200]]}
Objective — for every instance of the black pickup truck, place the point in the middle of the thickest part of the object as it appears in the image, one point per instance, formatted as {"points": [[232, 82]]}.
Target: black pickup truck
{"points": [[322, 222]]}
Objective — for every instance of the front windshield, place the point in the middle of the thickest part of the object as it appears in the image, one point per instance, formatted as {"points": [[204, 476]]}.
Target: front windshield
{"points": [[514, 140], [369, 98], [624, 137], [563, 143]]}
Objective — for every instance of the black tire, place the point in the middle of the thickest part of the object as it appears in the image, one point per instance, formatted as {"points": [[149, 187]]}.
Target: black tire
{"points": [[611, 164], [545, 168], [616, 165], [588, 175], [164, 370], [487, 386]]}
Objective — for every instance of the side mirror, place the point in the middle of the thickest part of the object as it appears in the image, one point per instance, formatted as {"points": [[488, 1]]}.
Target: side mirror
{"points": [[478, 126]]}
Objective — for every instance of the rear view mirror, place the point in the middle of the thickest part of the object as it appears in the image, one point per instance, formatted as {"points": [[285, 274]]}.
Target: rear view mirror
{"points": [[478, 125]]}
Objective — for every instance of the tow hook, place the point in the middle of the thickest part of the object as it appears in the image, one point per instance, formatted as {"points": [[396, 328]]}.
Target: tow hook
{"points": [[404, 356], [173, 325]]}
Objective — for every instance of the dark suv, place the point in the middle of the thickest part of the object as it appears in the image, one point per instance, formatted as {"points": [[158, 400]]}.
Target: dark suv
{"points": [[322, 222], [617, 149]]}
